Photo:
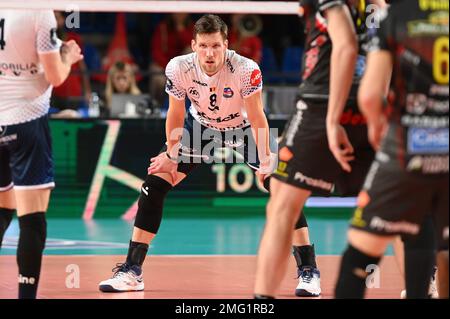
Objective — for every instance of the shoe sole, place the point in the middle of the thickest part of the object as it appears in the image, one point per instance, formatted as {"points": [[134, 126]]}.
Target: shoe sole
{"points": [[109, 288], [305, 293]]}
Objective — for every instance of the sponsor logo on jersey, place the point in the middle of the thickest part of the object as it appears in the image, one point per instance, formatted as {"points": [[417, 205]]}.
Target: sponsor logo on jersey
{"points": [[17, 69], [428, 164], [417, 104], [256, 78], [230, 66], [425, 121], [428, 140], [228, 93], [199, 83], [227, 118], [193, 92], [437, 89]]}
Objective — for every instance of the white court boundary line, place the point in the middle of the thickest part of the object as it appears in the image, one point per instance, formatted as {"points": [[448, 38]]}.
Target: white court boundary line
{"points": [[225, 7]]}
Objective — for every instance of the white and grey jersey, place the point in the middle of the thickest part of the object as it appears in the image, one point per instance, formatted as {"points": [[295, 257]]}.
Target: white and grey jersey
{"points": [[24, 91], [217, 101]]}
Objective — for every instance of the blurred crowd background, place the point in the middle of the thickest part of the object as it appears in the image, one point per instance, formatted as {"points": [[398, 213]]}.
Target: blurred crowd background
{"points": [[125, 55]]}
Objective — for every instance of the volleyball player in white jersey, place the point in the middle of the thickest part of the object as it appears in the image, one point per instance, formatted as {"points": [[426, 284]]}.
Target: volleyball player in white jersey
{"points": [[31, 63], [224, 89]]}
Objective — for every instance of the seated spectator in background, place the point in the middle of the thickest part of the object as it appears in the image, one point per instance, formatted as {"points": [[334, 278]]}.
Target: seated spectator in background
{"points": [[75, 92], [243, 37], [121, 80], [172, 37], [118, 50]]}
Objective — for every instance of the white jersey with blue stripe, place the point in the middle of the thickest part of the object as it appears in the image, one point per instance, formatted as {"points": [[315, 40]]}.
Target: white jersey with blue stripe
{"points": [[24, 91]]}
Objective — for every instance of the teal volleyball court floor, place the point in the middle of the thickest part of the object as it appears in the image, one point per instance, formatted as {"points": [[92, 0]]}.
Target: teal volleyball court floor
{"points": [[177, 236]]}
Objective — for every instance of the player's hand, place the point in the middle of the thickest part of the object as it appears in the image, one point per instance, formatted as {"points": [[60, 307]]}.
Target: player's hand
{"points": [[376, 130], [267, 167], [71, 52], [261, 177], [162, 164], [340, 146]]}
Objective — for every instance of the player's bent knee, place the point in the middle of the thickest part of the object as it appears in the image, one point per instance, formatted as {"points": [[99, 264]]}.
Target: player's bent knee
{"points": [[151, 202]]}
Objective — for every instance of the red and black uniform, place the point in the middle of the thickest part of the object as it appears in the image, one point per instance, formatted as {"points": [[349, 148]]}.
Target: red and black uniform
{"points": [[305, 158], [409, 179]]}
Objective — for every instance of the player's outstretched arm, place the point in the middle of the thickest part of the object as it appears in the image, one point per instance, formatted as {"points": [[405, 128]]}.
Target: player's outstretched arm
{"points": [[343, 61]]}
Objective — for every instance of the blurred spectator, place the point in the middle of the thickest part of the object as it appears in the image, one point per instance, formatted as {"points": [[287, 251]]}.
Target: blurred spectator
{"points": [[243, 37], [121, 80], [75, 92], [118, 50], [172, 37]]}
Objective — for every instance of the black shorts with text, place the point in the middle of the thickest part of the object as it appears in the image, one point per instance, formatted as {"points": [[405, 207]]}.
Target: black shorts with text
{"points": [[305, 160], [396, 202]]}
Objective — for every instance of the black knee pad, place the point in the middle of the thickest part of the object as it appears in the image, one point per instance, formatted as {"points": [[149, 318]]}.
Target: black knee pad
{"points": [[351, 282], [151, 203], [33, 232]]}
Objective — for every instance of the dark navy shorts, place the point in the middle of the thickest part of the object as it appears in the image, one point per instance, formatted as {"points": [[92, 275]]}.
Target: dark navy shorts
{"points": [[26, 156]]}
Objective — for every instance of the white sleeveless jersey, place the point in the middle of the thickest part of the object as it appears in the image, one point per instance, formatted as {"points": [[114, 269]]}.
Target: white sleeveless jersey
{"points": [[24, 91], [217, 101]]}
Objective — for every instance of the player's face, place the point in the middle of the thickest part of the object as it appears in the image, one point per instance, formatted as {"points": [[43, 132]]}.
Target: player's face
{"points": [[210, 48]]}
